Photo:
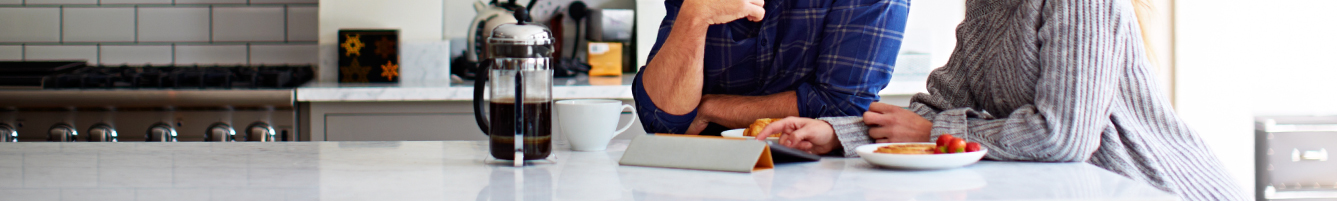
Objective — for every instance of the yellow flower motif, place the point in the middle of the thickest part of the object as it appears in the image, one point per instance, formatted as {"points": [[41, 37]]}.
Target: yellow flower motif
{"points": [[353, 45], [390, 70]]}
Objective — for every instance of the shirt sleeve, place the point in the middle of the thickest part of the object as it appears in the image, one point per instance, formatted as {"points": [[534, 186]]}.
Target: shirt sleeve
{"points": [[859, 45], [652, 118], [850, 131], [1076, 87]]}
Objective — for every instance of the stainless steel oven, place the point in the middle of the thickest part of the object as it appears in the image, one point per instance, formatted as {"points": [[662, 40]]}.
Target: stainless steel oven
{"points": [[1292, 159], [164, 104]]}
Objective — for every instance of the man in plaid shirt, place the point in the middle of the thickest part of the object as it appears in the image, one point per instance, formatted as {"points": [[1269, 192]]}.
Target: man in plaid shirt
{"points": [[809, 58]]}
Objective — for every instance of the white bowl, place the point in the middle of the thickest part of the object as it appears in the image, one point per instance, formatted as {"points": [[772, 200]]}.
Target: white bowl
{"points": [[918, 161]]}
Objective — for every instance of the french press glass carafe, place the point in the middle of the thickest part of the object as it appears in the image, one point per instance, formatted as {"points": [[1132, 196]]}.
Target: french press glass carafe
{"points": [[519, 122]]}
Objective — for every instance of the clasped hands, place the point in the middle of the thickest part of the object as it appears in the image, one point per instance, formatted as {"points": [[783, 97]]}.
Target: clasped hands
{"points": [[886, 123]]}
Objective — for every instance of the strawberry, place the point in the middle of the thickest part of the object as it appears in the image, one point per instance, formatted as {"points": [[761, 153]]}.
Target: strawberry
{"points": [[944, 139], [972, 147], [957, 145]]}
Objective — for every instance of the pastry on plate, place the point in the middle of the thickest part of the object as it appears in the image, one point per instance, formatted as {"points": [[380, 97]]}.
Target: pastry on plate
{"points": [[757, 126]]}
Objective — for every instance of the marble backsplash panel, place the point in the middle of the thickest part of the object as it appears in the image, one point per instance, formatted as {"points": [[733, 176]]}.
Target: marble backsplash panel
{"points": [[421, 62]]}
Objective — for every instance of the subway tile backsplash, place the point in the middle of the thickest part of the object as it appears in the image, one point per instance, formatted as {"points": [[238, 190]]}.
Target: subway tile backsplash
{"points": [[136, 1], [173, 24], [282, 54], [303, 23], [248, 24], [99, 24], [26, 24], [138, 54], [39, 2], [161, 32], [211, 54], [61, 52], [11, 52]]}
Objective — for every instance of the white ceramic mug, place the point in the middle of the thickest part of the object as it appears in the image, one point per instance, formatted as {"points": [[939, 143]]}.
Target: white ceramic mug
{"points": [[588, 124]]}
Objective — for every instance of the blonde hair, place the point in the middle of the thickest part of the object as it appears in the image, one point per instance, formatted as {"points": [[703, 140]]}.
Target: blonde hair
{"points": [[1144, 12]]}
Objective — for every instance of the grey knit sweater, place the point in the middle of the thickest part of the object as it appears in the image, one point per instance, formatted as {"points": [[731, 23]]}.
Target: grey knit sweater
{"points": [[1062, 81]]}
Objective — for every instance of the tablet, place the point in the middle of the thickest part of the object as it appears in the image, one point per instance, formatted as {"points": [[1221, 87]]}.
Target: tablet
{"points": [[783, 154]]}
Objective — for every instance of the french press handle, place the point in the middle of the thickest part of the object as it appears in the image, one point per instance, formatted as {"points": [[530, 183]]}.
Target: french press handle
{"points": [[480, 82]]}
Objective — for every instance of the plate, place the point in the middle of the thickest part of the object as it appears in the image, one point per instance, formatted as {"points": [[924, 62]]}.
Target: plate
{"points": [[918, 161], [738, 133]]}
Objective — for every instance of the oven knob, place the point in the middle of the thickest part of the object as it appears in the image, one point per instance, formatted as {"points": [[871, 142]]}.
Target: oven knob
{"points": [[161, 132], [220, 132], [101, 132], [260, 132], [62, 132], [8, 133]]}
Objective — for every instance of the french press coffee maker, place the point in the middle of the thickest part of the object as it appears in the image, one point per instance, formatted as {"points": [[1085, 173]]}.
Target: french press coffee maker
{"points": [[519, 74]]}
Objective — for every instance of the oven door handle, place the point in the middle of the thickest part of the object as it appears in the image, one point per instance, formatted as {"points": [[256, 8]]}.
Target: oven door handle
{"points": [[1309, 155]]}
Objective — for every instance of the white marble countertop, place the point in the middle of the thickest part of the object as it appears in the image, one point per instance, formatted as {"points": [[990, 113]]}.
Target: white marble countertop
{"points": [[578, 87], [463, 170]]}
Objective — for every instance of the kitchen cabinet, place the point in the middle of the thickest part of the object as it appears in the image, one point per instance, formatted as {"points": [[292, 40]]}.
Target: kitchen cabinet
{"points": [[406, 121]]}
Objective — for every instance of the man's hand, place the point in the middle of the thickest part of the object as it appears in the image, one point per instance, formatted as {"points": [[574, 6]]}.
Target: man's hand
{"points": [[699, 124], [723, 11], [890, 123], [810, 135]]}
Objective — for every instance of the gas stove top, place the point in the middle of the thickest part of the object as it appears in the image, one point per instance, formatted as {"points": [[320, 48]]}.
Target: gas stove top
{"points": [[76, 75], [181, 77]]}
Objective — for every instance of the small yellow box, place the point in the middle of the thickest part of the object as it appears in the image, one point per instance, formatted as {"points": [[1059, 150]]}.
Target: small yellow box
{"points": [[605, 58]]}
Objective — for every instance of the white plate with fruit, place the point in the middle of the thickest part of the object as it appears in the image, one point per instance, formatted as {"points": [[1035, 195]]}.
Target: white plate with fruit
{"points": [[947, 152]]}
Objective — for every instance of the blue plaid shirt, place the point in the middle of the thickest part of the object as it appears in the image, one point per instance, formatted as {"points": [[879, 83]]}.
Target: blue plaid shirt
{"points": [[836, 54]]}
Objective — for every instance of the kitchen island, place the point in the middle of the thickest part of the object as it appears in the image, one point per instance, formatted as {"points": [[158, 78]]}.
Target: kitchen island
{"points": [[463, 170]]}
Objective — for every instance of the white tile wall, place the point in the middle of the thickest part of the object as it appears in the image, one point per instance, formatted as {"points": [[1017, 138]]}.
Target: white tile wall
{"points": [[302, 23], [11, 52], [211, 54], [109, 32], [74, 52], [136, 55], [62, 1], [283, 1], [30, 24], [210, 1], [99, 24], [136, 1], [190, 24], [283, 54], [248, 24]]}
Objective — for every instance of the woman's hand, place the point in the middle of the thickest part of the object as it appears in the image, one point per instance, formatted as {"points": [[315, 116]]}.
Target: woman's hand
{"points": [[722, 11], [810, 135], [890, 123]]}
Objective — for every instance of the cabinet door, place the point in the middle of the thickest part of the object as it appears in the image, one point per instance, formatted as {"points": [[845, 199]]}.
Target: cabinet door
{"points": [[401, 127]]}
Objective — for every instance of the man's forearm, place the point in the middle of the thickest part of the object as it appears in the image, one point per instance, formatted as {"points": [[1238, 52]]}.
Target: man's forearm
{"points": [[739, 111], [673, 78]]}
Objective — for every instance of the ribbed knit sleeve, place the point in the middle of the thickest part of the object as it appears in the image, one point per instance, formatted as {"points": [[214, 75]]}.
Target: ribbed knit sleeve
{"points": [[1077, 83], [851, 131]]}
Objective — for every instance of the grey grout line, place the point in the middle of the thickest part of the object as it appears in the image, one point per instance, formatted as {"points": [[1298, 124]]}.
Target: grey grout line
{"points": [[174, 55], [23, 55], [248, 54], [99, 54]]}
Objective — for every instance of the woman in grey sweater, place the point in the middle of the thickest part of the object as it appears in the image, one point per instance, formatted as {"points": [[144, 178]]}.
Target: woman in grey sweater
{"points": [[1043, 80]]}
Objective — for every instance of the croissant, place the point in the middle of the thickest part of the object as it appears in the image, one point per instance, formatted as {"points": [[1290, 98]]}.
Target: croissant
{"points": [[757, 126]]}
